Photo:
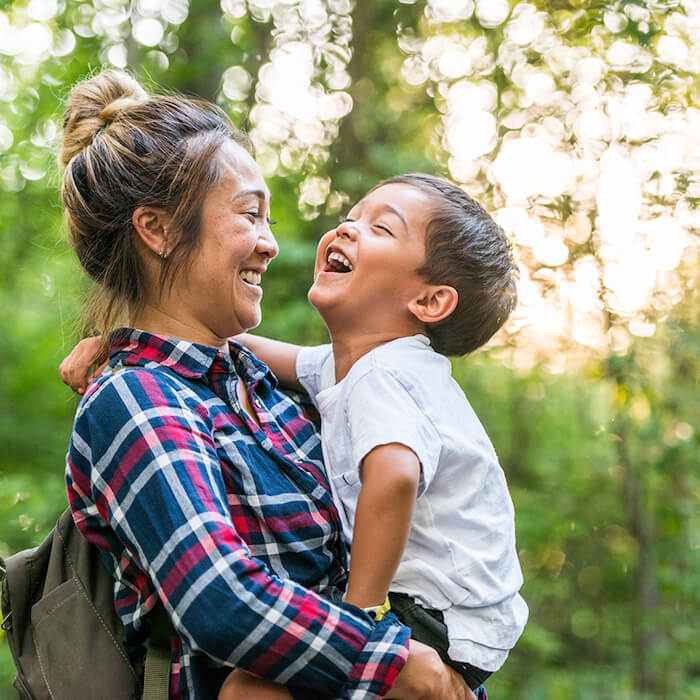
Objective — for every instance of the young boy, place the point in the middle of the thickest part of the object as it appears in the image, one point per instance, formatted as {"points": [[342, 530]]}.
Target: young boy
{"points": [[416, 272]]}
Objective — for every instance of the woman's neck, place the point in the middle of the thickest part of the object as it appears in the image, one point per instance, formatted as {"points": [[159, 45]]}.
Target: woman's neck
{"points": [[153, 319]]}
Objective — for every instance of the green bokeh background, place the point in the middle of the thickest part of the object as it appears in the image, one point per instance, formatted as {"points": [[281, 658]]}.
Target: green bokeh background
{"points": [[602, 459]]}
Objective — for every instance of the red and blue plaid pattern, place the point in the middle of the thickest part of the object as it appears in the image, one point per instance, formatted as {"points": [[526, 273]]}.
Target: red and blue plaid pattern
{"points": [[232, 525]]}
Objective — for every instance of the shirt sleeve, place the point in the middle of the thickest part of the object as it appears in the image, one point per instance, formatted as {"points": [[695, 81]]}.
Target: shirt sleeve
{"points": [[148, 464], [381, 409], [310, 363]]}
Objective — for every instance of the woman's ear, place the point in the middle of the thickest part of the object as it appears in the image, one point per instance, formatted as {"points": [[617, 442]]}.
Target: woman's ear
{"points": [[151, 226], [435, 304]]}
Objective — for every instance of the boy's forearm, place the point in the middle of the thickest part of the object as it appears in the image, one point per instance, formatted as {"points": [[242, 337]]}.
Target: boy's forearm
{"points": [[280, 357], [382, 522]]}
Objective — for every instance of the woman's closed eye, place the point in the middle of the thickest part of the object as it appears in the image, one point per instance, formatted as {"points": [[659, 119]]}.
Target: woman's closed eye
{"points": [[255, 215]]}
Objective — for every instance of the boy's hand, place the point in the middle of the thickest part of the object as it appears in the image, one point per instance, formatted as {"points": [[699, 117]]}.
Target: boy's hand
{"points": [[75, 368]]}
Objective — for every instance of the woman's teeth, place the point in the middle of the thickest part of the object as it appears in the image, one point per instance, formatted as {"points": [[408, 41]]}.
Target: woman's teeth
{"points": [[339, 257], [251, 277]]}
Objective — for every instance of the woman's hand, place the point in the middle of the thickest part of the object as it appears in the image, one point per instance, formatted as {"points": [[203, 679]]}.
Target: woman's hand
{"points": [[74, 368], [426, 677]]}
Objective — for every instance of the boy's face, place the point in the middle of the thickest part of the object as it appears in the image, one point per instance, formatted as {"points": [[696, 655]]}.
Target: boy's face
{"points": [[366, 268]]}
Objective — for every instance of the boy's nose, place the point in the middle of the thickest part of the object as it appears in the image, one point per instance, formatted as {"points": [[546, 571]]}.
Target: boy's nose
{"points": [[347, 229]]}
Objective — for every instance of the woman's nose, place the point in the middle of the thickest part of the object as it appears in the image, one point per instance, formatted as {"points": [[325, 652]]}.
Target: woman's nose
{"points": [[267, 245]]}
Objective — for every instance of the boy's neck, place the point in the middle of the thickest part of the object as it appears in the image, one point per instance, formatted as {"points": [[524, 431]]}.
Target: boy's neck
{"points": [[349, 348]]}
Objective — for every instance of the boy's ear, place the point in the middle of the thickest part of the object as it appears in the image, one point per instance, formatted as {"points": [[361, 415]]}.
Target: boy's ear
{"points": [[151, 226], [435, 304]]}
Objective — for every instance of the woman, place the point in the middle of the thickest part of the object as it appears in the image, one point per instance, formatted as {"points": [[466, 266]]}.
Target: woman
{"points": [[200, 482]]}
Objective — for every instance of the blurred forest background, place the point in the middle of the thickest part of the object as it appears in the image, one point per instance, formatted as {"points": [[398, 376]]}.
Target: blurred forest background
{"points": [[576, 122]]}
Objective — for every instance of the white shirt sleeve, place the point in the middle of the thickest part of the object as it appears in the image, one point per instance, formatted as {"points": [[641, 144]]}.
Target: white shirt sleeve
{"points": [[309, 366], [381, 410]]}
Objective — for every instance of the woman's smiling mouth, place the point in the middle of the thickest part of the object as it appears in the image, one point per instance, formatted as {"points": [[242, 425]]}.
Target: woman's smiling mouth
{"points": [[251, 277]]}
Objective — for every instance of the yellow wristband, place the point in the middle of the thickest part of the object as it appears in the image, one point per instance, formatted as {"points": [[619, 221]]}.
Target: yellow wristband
{"points": [[378, 611]]}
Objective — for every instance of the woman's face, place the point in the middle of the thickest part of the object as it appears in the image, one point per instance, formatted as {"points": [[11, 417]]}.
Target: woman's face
{"points": [[220, 290]]}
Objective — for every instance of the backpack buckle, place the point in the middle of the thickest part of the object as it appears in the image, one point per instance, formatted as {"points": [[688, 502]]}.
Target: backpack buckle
{"points": [[6, 625]]}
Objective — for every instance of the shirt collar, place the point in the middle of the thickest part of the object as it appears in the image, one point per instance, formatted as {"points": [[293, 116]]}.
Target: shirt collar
{"points": [[132, 347]]}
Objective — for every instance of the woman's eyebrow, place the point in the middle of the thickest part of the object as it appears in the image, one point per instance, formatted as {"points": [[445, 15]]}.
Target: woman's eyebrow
{"points": [[251, 193]]}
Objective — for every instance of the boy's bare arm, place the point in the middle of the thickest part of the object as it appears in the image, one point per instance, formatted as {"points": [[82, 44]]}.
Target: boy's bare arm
{"points": [[280, 357], [390, 476], [75, 368]]}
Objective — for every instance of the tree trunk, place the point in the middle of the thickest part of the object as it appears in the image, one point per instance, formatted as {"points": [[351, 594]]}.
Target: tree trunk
{"points": [[205, 60], [640, 521], [348, 153]]}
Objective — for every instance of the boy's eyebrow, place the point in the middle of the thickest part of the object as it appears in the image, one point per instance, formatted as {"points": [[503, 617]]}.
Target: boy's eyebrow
{"points": [[397, 212], [386, 205]]}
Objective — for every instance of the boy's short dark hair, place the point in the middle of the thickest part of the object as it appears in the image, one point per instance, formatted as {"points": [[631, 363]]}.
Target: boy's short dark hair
{"points": [[466, 249]]}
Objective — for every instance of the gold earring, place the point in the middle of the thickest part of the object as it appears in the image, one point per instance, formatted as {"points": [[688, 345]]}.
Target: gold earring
{"points": [[164, 249]]}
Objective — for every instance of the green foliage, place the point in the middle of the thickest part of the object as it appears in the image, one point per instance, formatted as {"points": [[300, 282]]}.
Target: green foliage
{"points": [[603, 460], [560, 439]]}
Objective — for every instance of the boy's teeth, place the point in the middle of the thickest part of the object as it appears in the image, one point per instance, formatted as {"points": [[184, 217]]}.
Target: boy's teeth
{"points": [[341, 259], [251, 277]]}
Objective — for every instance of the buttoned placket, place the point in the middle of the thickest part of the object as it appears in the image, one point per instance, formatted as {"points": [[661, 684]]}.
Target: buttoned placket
{"points": [[229, 394], [300, 458], [222, 377]]}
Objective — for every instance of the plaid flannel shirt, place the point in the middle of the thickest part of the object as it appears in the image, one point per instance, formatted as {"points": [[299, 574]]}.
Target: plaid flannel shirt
{"points": [[232, 525]]}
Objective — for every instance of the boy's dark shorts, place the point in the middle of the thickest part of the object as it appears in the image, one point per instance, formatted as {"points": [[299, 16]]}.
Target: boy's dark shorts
{"points": [[428, 626]]}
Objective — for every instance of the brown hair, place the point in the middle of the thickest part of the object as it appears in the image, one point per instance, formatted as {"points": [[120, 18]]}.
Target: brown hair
{"points": [[123, 149], [466, 249]]}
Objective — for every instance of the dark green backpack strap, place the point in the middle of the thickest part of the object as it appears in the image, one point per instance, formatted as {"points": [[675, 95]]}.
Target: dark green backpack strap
{"points": [[156, 673]]}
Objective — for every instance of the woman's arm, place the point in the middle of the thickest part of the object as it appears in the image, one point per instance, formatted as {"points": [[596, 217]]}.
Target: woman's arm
{"points": [[280, 357], [146, 463]]}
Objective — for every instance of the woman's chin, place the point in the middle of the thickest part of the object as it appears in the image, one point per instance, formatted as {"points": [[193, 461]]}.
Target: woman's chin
{"points": [[227, 328], [247, 324]]}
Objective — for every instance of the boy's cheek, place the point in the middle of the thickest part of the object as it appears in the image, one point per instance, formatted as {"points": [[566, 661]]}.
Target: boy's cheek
{"points": [[323, 242], [320, 248]]}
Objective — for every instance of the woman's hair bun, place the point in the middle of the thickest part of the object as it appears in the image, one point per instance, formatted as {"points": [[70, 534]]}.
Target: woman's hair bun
{"points": [[93, 105]]}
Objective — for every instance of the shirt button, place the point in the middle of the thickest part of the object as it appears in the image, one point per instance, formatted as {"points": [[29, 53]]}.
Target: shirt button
{"points": [[257, 403]]}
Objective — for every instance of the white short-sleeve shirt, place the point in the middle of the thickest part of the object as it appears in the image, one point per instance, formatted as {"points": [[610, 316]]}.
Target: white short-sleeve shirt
{"points": [[460, 557]]}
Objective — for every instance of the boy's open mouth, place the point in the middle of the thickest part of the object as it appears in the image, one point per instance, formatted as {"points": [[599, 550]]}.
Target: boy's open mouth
{"points": [[337, 262]]}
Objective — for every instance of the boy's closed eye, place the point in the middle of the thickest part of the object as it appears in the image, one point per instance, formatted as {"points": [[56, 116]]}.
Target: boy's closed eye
{"points": [[381, 227], [386, 229]]}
